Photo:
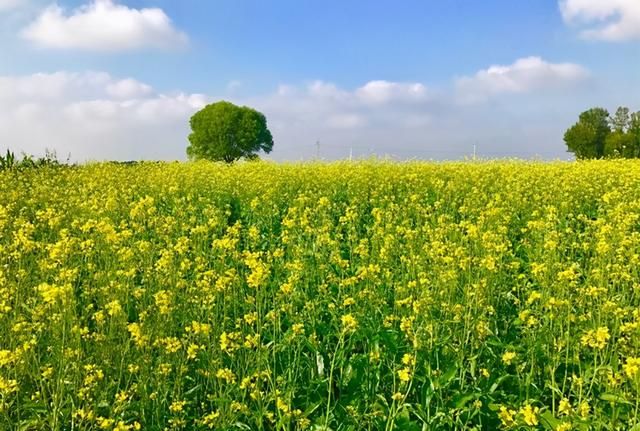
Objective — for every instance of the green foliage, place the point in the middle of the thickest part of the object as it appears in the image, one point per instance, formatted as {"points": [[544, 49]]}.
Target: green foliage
{"points": [[620, 120], [621, 144], [10, 162], [223, 131], [597, 134], [586, 138]]}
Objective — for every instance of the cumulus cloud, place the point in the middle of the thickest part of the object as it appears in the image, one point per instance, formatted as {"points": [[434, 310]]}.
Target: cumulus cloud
{"points": [[326, 104], [524, 76], [128, 88], [103, 25], [93, 115], [380, 92], [96, 116], [406, 119], [610, 20]]}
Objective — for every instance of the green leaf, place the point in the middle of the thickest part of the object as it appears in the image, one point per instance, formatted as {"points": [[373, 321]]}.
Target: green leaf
{"points": [[192, 390], [549, 421], [404, 422], [463, 399], [494, 407], [612, 398], [499, 380], [447, 377], [104, 405]]}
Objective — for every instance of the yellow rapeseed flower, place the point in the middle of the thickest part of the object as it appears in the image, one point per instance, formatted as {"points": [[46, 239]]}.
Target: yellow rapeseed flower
{"points": [[404, 374], [226, 374], [584, 409], [564, 426], [596, 339], [8, 386], [210, 419], [507, 416], [408, 359], [564, 407], [177, 406], [530, 414], [508, 357], [349, 323], [631, 367]]}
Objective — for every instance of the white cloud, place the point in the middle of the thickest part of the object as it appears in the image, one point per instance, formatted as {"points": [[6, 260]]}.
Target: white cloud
{"points": [[524, 76], [379, 92], [103, 25], [326, 91], [345, 121], [324, 104], [10, 4], [44, 86], [610, 20], [128, 89], [94, 116]]}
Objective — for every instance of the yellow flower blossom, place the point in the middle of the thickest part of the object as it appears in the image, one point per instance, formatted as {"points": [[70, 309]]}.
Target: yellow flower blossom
{"points": [[596, 339], [177, 406], [404, 374], [8, 386], [631, 367], [210, 419], [507, 416], [583, 409], [408, 359], [564, 408], [564, 426], [226, 375], [297, 328], [530, 414], [349, 323], [508, 357], [113, 308]]}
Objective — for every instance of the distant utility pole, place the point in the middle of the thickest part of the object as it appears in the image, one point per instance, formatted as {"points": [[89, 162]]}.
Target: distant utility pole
{"points": [[317, 149], [351, 153], [474, 151]]}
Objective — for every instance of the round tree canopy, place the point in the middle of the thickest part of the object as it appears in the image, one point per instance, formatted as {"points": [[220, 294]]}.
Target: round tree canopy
{"points": [[226, 132]]}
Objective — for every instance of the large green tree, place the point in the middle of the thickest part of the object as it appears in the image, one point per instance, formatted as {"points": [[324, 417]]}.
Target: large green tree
{"points": [[620, 143], [223, 131], [624, 140], [634, 131], [620, 120], [586, 139]]}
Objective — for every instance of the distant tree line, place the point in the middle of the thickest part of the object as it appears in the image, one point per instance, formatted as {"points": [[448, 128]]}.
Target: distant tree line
{"points": [[598, 135]]}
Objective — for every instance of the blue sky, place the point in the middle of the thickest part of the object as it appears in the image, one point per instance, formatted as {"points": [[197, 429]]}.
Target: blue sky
{"points": [[426, 79]]}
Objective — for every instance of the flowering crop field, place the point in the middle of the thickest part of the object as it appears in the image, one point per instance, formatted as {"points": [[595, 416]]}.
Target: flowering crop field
{"points": [[340, 296]]}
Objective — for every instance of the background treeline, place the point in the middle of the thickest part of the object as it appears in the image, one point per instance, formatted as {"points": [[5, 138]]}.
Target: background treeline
{"points": [[597, 134]]}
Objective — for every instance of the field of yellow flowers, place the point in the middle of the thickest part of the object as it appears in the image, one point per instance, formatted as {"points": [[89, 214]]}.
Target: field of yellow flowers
{"points": [[340, 296]]}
